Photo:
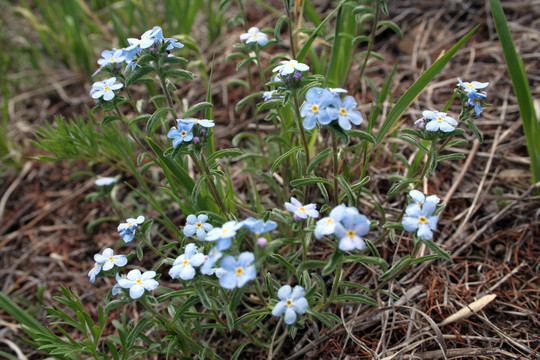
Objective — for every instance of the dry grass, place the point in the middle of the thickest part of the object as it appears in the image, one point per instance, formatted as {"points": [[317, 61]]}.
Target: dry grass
{"points": [[491, 224]]}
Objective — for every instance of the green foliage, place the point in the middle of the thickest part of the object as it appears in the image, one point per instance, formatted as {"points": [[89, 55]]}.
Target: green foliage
{"points": [[516, 69]]}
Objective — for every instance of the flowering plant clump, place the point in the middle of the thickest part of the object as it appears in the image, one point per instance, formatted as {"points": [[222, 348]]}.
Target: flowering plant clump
{"points": [[294, 199]]}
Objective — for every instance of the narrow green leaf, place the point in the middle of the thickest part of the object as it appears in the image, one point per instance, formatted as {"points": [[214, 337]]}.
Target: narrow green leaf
{"points": [[440, 252], [317, 159], [311, 180], [282, 158], [224, 153], [414, 142], [247, 99], [156, 116], [408, 97], [359, 298]]}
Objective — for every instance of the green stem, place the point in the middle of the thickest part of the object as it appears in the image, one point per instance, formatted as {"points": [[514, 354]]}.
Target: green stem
{"points": [[301, 128], [335, 283], [167, 94], [202, 166], [336, 166], [370, 45]]}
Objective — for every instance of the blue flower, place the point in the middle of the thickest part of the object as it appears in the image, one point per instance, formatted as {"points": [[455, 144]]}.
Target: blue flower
{"points": [[292, 302], [204, 122], [350, 230], [476, 99], [421, 219], [224, 234], [439, 121], [111, 57], [197, 225], [108, 260], [347, 115], [327, 225], [128, 229], [320, 105], [259, 226], [288, 67], [419, 198], [180, 135], [301, 211], [472, 86], [105, 88], [210, 260], [116, 287], [254, 36], [138, 282], [184, 265], [173, 43], [236, 273], [94, 271], [147, 39]]}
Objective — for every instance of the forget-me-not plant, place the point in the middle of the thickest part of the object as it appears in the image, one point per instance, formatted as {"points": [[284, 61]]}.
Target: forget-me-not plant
{"points": [[439, 121], [128, 229], [254, 36], [319, 107], [301, 211], [105, 89], [224, 234], [289, 67], [421, 219], [180, 135], [108, 260]]}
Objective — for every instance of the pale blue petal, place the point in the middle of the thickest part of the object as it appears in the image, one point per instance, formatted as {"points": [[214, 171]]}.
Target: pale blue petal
{"points": [[410, 223], [284, 292], [279, 308], [228, 280], [300, 305], [290, 316], [136, 291]]}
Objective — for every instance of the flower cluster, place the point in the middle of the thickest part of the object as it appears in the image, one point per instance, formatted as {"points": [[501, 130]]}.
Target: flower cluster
{"points": [[419, 215], [475, 98], [347, 224], [325, 105], [183, 132]]}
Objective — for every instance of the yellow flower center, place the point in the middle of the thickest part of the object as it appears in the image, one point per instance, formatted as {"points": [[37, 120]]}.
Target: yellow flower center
{"points": [[138, 281], [199, 224], [329, 221], [112, 59], [106, 88], [110, 258], [470, 85], [130, 223], [439, 118], [289, 302], [315, 108], [343, 111], [302, 209], [239, 271], [350, 233], [422, 219], [224, 231], [255, 35], [183, 133], [185, 262]]}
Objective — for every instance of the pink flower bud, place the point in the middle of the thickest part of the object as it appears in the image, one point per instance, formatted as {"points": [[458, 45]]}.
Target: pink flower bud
{"points": [[262, 241]]}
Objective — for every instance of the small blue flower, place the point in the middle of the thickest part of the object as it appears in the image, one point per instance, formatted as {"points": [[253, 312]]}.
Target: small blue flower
{"points": [[210, 260], [224, 234], [476, 99], [138, 282], [320, 105], [439, 121], [236, 273], [108, 260], [419, 198], [197, 225], [421, 219], [254, 36], [147, 39], [288, 67], [111, 57], [347, 115], [105, 88], [350, 230], [184, 265], [472, 86], [173, 43], [116, 287], [128, 229], [292, 302], [191, 121], [327, 225], [301, 211], [259, 226], [94, 271], [180, 135]]}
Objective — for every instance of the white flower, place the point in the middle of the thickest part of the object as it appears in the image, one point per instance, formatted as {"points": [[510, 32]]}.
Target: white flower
{"points": [[301, 211], [108, 259], [290, 66], [254, 36], [137, 283], [104, 181], [183, 266]]}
